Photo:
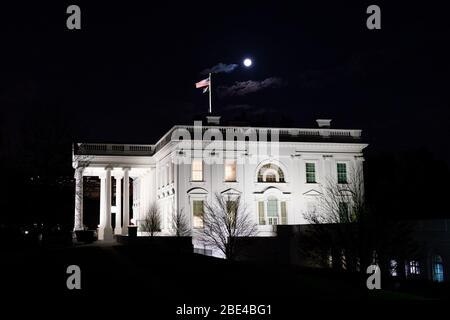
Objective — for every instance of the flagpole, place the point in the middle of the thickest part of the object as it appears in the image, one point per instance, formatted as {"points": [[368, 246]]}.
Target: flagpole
{"points": [[210, 92]]}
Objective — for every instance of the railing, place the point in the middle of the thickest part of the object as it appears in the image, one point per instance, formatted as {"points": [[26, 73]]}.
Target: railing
{"points": [[283, 134], [265, 134], [113, 149]]}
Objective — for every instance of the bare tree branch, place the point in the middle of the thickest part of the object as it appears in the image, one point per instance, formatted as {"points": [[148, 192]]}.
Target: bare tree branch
{"points": [[344, 223], [180, 224], [152, 220], [226, 220]]}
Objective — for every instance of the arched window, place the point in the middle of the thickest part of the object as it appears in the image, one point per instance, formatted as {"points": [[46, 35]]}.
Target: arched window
{"points": [[270, 173], [438, 269]]}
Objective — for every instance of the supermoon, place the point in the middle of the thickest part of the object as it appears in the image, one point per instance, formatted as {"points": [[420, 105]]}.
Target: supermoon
{"points": [[247, 62]]}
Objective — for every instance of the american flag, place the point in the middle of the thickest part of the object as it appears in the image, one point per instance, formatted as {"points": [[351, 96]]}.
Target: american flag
{"points": [[203, 83]]}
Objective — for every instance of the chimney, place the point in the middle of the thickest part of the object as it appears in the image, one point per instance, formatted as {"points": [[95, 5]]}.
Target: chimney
{"points": [[324, 123], [213, 120]]}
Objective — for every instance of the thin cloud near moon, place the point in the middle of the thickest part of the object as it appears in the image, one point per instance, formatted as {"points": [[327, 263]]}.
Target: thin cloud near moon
{"points": [[242, 88], [219, 68]]}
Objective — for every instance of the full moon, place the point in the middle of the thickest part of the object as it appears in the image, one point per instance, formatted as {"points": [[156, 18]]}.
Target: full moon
{"points": [[247, 62]]}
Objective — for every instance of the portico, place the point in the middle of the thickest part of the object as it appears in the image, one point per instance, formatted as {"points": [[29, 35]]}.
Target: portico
{"points": [[121, 170]]}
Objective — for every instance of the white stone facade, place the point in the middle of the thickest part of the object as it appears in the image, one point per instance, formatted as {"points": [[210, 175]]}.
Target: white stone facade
{"points": [[163, 173]]}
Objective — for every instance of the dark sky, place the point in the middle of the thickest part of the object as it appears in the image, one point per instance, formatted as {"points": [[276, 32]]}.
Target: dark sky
{"points": [[128, 75]]}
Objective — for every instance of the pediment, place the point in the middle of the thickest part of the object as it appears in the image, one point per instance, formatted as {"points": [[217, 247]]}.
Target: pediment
{"points": [[312, 192], [231, 191], [197, 190], [270, 189]]}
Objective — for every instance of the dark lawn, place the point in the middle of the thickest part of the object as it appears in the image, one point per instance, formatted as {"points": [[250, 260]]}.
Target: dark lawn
{"points": [[110, 269]]}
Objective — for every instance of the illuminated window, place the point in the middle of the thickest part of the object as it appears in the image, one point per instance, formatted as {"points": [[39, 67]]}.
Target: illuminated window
{"points": [[343, 212], [232, 207], [412, 268], [393, 268], [230, 170], [438, 269], [270, 173], [310, 173], [271, 177], [198, 213], [342, 172], [197, 170]]}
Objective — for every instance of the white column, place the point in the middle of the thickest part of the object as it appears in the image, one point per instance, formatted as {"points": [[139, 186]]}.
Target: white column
{"points": [[105, 230], [102, 202], [78, 223], [118, 228], [126, 201]]}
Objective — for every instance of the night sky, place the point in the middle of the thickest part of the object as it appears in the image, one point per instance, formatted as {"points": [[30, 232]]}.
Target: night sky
{"points": [[128, 75]]}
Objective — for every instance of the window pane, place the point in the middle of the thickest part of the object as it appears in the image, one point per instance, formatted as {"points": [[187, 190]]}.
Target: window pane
{"points": [[438, 269], [230, 170], [438, 272], [270, 173], [414, 267], [198, 213], [393, 268], [342, 172], [197, 170], [231, 207], [310, 173], [272, 208], [343, 212]]}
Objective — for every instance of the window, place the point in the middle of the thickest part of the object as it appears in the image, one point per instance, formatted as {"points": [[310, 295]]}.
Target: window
{"points": [[272, 211], [232, 207], [343, 260], [283, 212], [198, 213], [270, 177], [438, 269], [261, 212], [167, 175], [310, 173], [393, 268], [412, 268], [172, 172], [343, 212], [270, 173], [197, 170], [230, 170], [342, 172]]}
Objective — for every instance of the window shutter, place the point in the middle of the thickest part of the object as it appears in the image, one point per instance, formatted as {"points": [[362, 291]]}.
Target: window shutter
{"points": [[261, 212], [283, 213]]}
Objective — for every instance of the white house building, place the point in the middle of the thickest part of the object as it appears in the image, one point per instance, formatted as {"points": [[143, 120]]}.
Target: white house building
{"points": [[276, 171]]}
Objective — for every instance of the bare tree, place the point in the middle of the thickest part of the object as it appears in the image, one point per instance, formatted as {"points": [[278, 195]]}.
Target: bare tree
{"points": [[344, 224], [180, 224], [225, 220], [152, 220], [339, 203]]}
